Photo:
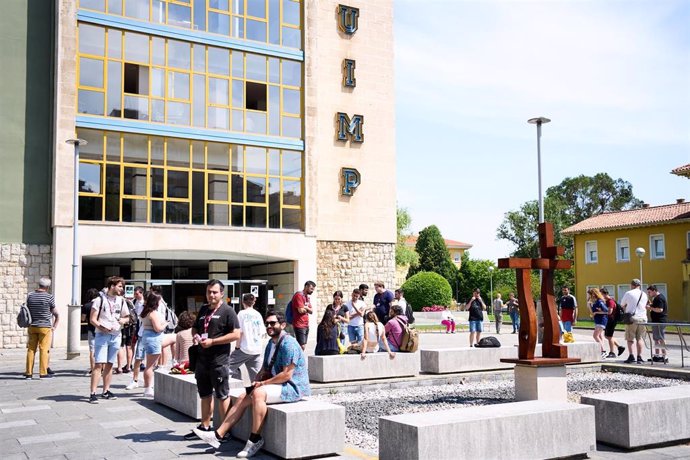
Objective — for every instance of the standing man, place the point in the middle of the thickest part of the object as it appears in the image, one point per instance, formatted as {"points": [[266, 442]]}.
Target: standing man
{"points": [[41, 304], [215, 328], [109, 313], [283, 379], [498, 312], [382, 301], [476, 307], [567, 305], [658, 312], [355, 308], [407, 308], [514, 312], [301, 309], [363, 291], [611, 325], [248, 352], [635, 302]]}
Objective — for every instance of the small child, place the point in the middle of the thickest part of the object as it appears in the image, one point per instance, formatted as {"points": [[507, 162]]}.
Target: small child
{"points": [[448, 320]]}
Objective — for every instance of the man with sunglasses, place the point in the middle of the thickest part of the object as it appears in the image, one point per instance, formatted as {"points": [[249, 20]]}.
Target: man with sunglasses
{"points": [[283, 379]]}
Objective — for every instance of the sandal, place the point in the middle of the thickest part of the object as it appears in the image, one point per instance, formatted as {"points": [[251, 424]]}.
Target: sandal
{"points": [[116, 370]]}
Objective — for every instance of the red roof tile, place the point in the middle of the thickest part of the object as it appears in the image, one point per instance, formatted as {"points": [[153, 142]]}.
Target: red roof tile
{"points": [[412, 240], [633, 218], [682, 170]]}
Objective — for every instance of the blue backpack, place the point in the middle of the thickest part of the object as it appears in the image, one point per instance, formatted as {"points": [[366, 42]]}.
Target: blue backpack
{"points": [[288, 313]]}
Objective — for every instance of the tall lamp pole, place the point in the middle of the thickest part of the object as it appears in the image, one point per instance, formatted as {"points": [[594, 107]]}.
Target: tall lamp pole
{"points": [[640, 253], [491, 287], [74, 308], [539, 121]]}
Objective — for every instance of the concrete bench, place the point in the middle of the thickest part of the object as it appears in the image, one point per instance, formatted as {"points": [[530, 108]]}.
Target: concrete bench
{"points": [[512, 430], [637, 418], [296, 430], [466, 359], [179, 392], [340, 368]]}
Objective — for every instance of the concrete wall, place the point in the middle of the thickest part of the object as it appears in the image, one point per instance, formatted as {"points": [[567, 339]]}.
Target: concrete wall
{"points": [[26, 34]]}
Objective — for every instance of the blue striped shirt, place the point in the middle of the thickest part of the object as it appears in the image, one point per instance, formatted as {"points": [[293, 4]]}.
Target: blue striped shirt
{"points": [[41, 305]]}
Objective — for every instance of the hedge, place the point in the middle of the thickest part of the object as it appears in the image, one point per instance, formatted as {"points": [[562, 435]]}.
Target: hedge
{"points": [[427, 288]]}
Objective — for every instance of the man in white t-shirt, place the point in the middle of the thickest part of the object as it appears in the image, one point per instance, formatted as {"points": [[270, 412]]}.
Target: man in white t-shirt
{"points": [[248, 352], [635, 302], [355, 328]]}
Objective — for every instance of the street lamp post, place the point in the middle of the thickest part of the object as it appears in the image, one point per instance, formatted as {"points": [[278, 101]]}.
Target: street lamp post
{"points": [[539, 121], [491, 287], [640, 253], [74, 308]]}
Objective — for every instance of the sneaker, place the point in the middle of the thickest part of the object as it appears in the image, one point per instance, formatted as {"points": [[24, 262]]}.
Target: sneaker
{"points": [[93, 399], [50, 372], [28, 377], [640, 360], [604, 355], [87, 373], [251, 448], [109, 395], [611, 355], [47, 376], [148, 393], [630, 360], [191, 436], [621, 350], [208, 437], [132, 385], [226, 438]]}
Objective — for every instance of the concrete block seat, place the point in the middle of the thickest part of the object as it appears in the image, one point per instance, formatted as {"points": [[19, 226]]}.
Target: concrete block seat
{"points": [[467, 359], [179, 392], [307, 428], [638, 418], [341, 368], [520, 430]]}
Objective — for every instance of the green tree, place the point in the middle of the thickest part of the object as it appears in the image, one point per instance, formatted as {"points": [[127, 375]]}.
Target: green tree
{"points": [[404, 255], [433, 255], [474, 273], [426, 289]]}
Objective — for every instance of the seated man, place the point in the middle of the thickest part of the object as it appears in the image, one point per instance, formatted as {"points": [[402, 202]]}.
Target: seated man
{"points": [[283, 379]]}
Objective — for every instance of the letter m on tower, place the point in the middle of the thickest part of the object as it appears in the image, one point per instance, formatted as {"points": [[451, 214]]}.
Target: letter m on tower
{"points": [[350, 127]]}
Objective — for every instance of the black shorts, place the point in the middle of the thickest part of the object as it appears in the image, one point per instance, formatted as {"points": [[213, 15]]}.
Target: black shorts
{"points": [[126, 340], [210, 379], [301, 334], [610, 327]]}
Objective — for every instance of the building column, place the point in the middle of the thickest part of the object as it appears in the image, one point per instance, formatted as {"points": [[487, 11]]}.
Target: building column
{"points": [[218, 269], [141, 270]]}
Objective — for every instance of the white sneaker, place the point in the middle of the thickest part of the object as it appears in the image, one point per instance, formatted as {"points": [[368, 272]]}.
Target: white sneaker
{"points": [[251, 448], [132, 385], [148, 393], [208, 437]]}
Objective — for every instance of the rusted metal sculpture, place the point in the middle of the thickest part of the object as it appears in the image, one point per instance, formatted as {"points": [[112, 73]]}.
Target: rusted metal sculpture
{"points": [[553, 352]]}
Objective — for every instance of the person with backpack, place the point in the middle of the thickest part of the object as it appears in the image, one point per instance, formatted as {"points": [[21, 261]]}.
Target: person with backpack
{"points": [[600, 314], [395, 327], [91, 295], [41, 305], [301, 309], [615, 311]]}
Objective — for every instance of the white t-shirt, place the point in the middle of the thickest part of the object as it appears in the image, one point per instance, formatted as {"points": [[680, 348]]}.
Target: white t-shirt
{"points": [[633, 303], [251, 324], [111, 310], [446, 314], [355, 320], [372, 339]]}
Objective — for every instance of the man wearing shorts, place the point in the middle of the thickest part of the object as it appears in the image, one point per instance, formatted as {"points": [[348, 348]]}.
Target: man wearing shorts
{"points": [[301, 309], [283, 379], [215, 329], [476, 307], [109, 313], [635, 302], [658, 313]]}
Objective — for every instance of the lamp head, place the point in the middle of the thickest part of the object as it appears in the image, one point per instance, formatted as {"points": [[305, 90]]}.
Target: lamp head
{"points": [[76, 141], [640, 252], [538, 121]]}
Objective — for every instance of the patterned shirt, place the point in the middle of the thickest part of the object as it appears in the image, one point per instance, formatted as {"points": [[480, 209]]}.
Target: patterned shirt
{"points": [[290, 352], [41, 305]]}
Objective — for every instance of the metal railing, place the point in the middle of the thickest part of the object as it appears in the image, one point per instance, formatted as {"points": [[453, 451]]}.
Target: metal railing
{"points": [[675, 327]]}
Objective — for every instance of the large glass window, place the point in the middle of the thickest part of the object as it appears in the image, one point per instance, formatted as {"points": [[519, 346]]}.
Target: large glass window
{"points": [[173, 82], [134, 178], [275, 22]]}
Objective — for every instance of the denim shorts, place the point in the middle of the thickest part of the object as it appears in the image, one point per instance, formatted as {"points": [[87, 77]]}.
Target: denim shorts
{"points": [[476, 326], [106, 347], [91, 337], [152, 342], [355, 333], [139, 353]]}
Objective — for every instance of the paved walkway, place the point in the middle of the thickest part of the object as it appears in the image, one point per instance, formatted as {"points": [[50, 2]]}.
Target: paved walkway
{"points": [[52, 418]]}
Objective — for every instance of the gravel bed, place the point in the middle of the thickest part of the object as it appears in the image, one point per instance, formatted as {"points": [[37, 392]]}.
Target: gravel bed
{"points": [[362, 410]]}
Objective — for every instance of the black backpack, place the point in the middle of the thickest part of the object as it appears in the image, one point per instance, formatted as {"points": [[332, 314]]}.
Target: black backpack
{"points": [[409, 313], [488, 342]]}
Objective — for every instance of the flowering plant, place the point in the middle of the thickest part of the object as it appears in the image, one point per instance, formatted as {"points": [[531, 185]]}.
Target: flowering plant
{"points": [[434, 308], [181, 368]]}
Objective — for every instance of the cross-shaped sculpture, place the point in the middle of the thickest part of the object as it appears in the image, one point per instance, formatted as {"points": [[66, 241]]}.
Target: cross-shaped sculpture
{"points": [[553, 353]]}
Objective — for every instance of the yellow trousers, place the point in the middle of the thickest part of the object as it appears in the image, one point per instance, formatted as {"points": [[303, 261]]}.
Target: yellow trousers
{"points": [[38, 337]]}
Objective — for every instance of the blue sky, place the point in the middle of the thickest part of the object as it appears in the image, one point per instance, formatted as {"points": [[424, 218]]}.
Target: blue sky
{"points": [[614, 77]]}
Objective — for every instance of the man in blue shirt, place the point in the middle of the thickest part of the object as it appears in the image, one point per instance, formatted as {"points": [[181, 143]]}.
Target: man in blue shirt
{"points": [[382, 301]]}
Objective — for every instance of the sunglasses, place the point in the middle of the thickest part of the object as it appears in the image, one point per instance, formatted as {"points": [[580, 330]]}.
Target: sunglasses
{"points": [[271, 323]]}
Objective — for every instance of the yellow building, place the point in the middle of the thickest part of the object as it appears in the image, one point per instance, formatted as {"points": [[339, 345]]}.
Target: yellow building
{"points": [[455, 248], [606, 253]]}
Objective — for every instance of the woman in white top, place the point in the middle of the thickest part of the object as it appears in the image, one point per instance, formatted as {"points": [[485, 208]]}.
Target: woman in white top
{"points": [[153, 324], [374, 335]]}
